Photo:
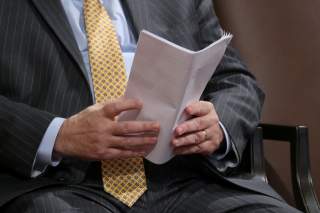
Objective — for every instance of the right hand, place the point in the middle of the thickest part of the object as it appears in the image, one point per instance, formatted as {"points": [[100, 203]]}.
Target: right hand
{"points": [[94, 133]]}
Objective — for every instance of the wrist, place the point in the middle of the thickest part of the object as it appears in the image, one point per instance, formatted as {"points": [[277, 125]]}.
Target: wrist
{"points": [[224, 148], [58, 148]]}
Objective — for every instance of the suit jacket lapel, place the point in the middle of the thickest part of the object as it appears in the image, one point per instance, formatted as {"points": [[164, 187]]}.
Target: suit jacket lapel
{"points": [[148, 15], [53, 13], [141, 13], [138, 10]]}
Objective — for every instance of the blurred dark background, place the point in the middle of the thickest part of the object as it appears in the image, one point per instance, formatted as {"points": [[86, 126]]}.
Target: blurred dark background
{"points": [[280, 42]]}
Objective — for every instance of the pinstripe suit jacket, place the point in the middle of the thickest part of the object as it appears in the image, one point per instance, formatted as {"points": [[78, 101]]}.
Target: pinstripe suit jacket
{"points": [[42, 76]]}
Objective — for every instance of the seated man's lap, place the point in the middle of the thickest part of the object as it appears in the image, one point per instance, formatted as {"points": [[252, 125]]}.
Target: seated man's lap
{"points": [[174, 187], [195, 196], [59, 200], [222, 199]]}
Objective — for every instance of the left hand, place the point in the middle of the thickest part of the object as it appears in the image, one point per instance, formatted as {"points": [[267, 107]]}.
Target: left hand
{"points": [[201, 134]]}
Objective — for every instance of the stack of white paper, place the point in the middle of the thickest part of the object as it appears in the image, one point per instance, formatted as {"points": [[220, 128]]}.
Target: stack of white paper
{"points": [[166, 77]]}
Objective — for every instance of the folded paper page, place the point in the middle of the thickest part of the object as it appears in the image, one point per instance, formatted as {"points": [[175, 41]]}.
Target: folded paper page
{"points": [[166, 77]]}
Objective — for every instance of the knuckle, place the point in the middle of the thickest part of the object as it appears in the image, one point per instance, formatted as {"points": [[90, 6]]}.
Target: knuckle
{"points": [[184, 140], [213, 121], [193, 124], [193, 149], [197, 149], [215, 118], [178, 142], [192, 139], [210, 104], [199, 124], [199, 136], [188, 125]]}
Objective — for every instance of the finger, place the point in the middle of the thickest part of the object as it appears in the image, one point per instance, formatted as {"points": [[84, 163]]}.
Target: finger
{"points": [[112, 109], [205, 148], [190, 139], [122, 154], [194, 125], [136, 127], [187, 150], [146, 149], [199, 108], [208, 147], [133, 142]]}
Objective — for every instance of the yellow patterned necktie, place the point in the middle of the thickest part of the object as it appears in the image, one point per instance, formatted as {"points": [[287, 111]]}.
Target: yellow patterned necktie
{"points": [[123, 179]]}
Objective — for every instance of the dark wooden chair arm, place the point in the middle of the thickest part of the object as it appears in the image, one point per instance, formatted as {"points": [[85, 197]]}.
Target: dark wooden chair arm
{"points": [[257, 156], [297, 136]]}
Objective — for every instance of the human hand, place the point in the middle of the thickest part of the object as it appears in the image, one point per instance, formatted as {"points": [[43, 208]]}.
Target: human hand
{"points": [[94, 133], [201, 134]]}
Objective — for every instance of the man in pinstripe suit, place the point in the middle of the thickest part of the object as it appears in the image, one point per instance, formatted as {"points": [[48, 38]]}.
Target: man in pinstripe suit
{"points": [[50, 128]]}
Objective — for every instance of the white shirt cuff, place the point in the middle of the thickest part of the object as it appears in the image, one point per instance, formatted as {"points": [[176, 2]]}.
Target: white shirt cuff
{"points": [[44, 156]]}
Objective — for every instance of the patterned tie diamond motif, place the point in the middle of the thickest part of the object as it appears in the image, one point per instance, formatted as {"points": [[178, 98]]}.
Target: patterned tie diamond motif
{"points": [[128, 183], [123, 179]]}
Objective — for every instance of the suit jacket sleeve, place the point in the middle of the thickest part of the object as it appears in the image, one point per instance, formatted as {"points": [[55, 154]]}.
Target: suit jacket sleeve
{"points": [[21, 130], [232, 89]]}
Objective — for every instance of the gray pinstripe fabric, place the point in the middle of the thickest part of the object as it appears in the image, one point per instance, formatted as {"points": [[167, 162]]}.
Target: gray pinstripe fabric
{"points": [[42, 76], [167, 193]]}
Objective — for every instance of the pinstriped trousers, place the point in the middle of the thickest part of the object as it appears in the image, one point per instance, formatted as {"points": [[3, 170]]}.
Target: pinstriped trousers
{"points": [[172, 187]]}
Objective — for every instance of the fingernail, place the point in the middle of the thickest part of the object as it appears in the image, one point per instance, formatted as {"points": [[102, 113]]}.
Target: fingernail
{"points": [[189, 109], [138, 102], [156, 126]]}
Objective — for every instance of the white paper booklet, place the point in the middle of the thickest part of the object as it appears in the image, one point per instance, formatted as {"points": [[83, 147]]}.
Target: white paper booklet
{"points": [[166, 78]]}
